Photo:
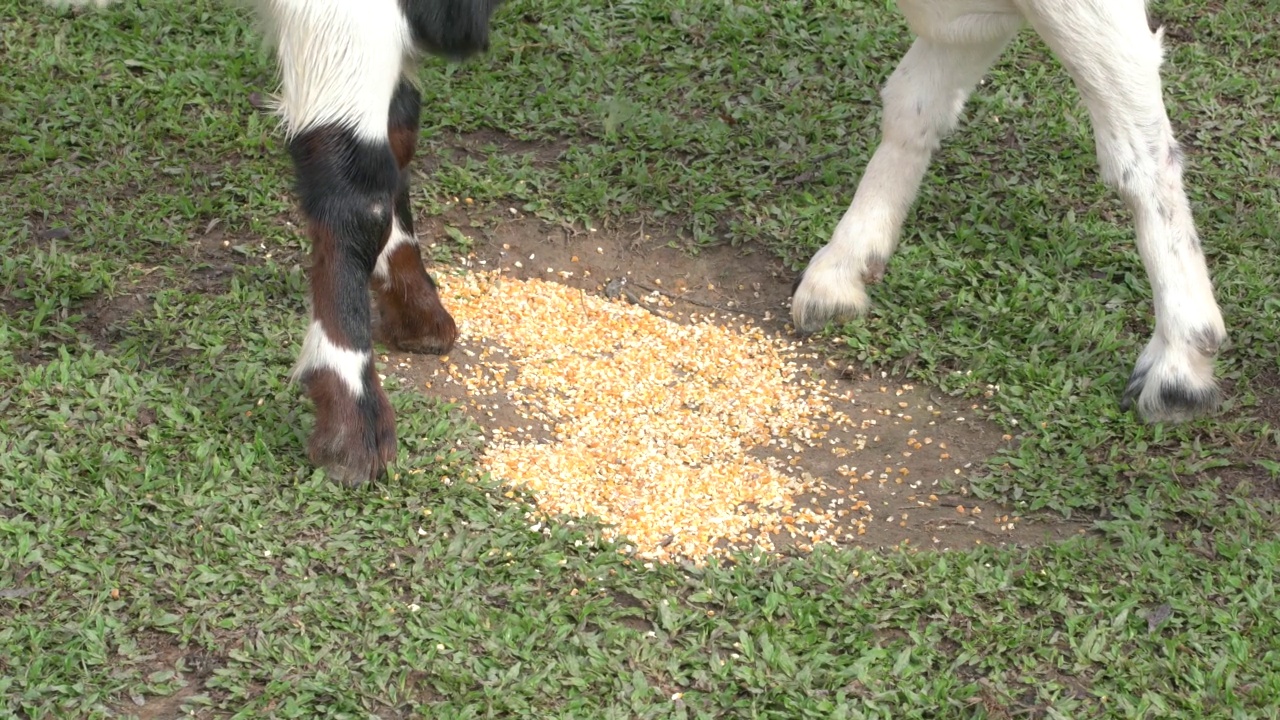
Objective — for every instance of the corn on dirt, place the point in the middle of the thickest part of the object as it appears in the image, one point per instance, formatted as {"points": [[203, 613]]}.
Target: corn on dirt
{"points": [[679, 410], [655, 427]]}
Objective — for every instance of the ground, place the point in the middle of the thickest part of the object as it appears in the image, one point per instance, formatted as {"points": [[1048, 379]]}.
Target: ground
{"points": [[922, 507], [166, 550]]}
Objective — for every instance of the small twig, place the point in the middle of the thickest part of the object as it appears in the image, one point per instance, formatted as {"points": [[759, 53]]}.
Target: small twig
{"points": [[635, 300], [691, 301], [639, 241], [904, 365], [808, 175], [569, 230]]}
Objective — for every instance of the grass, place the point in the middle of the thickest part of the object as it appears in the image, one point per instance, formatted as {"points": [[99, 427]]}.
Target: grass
{"points": [[164, 544]]}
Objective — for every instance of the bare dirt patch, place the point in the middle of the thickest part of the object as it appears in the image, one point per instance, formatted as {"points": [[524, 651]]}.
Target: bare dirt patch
{"points": [[185, 667], [920, 445], [207, 265]]}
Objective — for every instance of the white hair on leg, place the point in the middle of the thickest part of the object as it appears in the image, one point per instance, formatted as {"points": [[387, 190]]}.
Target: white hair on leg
{"points": [[339, 61], [399, 236], [1115, 61], [320, 353], [923, 99]]}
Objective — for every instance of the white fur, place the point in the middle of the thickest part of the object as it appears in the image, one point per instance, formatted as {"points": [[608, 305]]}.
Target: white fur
{"points": [[1115, 60], [398, 237], [340, 61], [319, 353]]}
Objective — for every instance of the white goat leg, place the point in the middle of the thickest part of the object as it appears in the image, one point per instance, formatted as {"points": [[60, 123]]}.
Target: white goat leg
{"points": [[1115, 59], [923, 99]]}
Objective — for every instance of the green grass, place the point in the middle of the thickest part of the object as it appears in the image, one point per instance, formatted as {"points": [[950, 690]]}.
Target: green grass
{"points": [[161, 533]]}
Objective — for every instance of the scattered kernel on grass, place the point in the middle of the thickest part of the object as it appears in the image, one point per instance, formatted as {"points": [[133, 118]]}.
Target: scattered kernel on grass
{"points": [[649, 424]]}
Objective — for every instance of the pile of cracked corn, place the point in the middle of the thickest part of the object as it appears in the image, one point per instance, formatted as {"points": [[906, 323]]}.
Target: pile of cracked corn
{"points": [[681, 437]]}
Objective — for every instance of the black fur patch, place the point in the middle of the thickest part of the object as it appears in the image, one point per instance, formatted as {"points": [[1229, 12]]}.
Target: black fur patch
{"points": [[406, 106], [348, 186], [795, 284], [1193, 402], [406, 109], [456, 29]]}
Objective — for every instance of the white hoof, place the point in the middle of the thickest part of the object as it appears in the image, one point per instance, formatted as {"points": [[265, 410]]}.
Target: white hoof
{"points": [[1175, 386], [830, 289]]}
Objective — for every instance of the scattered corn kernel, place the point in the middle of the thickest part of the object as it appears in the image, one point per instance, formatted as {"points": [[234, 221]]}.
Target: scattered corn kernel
{"points": [[652, 439]]}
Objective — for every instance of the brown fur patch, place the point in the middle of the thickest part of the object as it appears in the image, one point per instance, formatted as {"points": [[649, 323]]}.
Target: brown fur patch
{"points": [[354, 438], [404, 142], [410, 314], [324, 283]]}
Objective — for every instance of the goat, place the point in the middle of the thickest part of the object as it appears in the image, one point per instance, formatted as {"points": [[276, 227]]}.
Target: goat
{"points": [[351, 115], [1114, 59]]}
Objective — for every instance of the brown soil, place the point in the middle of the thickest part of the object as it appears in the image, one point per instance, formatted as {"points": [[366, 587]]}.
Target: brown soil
{"points": [[191, 666], [481, 144], [918, 496], [205, 265]]}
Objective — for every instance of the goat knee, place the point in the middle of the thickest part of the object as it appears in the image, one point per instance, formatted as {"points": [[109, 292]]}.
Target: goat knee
{"points": [[919, 111]]}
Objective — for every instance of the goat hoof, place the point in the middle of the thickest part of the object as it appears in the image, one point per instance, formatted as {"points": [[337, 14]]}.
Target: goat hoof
{"points": [[1169, 400], [353, 463], [354, 442], [437, 338], [829, 289], [1170, 386], [353, 476], [422, 327], [431, 331]]}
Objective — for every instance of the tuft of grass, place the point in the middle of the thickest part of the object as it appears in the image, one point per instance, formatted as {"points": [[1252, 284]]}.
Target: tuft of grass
{"points": [[165, 548]]}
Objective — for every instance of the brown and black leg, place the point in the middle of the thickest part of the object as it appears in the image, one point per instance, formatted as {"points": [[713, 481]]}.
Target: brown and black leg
{"points": [[410, 315], [353, 127], [346, 184]]}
